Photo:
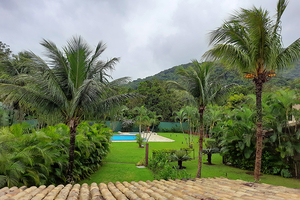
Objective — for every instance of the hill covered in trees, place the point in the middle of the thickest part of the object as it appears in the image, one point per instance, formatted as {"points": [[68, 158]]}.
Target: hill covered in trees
{"points": [[282, 78]]}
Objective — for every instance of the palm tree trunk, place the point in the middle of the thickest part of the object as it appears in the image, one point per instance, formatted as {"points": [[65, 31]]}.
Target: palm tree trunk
{"points": [[259, 130], [73, 123], [183, 132], [201, 111]]}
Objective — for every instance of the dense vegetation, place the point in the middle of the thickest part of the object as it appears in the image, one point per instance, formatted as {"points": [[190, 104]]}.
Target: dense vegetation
{"points": [[283, 78], [37, 157], [235, 133], [74, 87], [73, 84]]}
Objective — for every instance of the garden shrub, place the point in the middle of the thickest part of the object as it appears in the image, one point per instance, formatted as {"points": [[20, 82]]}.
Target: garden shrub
{"points": [[176, 129], [286, 174], [169, 172], [141, 162], [161, 168], [162, 151], [41, 157]]}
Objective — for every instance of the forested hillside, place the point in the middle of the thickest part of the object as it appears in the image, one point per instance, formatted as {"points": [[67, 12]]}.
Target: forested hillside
{"points": [[283, 78]]}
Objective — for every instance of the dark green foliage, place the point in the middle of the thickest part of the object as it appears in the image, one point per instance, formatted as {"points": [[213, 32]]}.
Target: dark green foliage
{"points": [[236, 134], [158, 99], [175, 129], [211, 148], [158, 152], [283, 78], [179, 156], [238, 140], [41, 156], [161, 168], [4, 51]]}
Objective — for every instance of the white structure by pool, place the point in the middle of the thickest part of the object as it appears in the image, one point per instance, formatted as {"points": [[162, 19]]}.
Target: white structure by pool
{"points": [[153, 137]]}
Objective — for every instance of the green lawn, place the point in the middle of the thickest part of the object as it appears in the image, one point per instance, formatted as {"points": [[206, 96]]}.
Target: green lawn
{"points": [[120, 165]]}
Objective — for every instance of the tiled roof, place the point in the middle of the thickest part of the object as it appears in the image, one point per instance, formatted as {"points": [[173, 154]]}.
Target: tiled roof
{"points": [[205, 188]]}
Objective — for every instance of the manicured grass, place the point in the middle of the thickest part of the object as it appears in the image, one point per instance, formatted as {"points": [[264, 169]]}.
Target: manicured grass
{"points": [[113, 172], [116, 166]]}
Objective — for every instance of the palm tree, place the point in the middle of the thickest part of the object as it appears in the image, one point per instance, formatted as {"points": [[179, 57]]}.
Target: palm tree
{"points": [[251, 41], [70, 86], [142, 116], [181, 115], [190, 112], [203, 90], [155, 119]]}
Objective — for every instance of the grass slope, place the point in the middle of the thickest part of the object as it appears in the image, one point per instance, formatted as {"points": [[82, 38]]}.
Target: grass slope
{"points": [[120, 165]]}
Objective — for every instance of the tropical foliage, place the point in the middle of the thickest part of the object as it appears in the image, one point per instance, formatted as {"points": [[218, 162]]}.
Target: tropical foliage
{"points": [[251, 41], [161, 168], [37, 157], [235, 134], [72, 86], [201, 90]]}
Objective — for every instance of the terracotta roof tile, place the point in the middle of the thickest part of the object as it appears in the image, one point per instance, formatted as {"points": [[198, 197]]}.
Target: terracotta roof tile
{"points": [[205, 188]]}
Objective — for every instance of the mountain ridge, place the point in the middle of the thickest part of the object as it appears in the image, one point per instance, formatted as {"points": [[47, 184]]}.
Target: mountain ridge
{"points": [[231, 76]]}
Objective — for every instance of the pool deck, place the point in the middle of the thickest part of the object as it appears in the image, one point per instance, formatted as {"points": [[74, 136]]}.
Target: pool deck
{"points": [[153, 138]]}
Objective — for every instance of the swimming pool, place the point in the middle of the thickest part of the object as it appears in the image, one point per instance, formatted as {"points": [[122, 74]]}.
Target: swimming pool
{"points": [[123, 138]]}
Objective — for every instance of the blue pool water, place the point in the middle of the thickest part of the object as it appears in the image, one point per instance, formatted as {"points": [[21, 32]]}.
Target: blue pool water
{"points": [[123, 137]]}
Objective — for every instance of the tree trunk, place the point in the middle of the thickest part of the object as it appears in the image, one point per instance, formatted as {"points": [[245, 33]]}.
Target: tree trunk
{"points": [[147, 153], [209, 158], [259, 130], [180, 164], [201, 111], [183, 132], [140, 133], [73, 123]]}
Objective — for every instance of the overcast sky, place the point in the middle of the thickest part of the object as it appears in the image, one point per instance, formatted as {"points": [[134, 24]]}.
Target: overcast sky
{"points": [[148, 35]]}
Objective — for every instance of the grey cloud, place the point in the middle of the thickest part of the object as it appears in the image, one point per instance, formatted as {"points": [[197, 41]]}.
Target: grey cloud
{"points": [[149, 35]]}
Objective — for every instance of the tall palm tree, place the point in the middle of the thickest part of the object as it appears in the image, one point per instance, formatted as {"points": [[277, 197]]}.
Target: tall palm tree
{"points": [[181, 115], [72, 84], [203, 90], [251, 41], [190, 112]]}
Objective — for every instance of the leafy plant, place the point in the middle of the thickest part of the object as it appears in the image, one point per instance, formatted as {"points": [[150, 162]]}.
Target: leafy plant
{"points": [[180, 156], [285, 173], [40, 157], [140, 140], [141, 162]]}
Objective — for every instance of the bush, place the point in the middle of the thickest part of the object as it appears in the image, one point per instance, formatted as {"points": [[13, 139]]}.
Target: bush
{"points": [[161, 168], [158, 161], [141, 162], [174, 129], [169, 172], [139, 140], [41, 157], [285, 173], [163, 151]]}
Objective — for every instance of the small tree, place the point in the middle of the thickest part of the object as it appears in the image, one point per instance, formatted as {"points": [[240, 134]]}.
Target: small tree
{"points": [[141, 119], [180, 156], [211, 148], [202, 90]]}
